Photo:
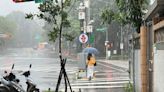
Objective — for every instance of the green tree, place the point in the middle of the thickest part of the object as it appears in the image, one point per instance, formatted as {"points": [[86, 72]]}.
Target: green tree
{"points": [[129, 12], [96, 8], [56, 13], [6, 25], [26, 30], [107, 16], [132, 11]]}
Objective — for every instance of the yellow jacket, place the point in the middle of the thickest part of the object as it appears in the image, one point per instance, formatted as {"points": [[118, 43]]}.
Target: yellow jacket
{"points": [[91, 62]]}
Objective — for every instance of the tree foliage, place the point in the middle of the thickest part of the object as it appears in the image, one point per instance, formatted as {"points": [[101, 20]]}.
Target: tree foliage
{"points": [[24, 31], [97, 8], [7, 26], [134, 11], [107, 16], [55, 13], [130, 11]]}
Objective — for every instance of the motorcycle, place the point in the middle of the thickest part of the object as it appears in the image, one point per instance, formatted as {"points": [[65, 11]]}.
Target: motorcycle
{"points": [[10, 83]]}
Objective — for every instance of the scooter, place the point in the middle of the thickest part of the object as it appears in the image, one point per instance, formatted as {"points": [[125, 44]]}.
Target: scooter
{"points": [[3, 87], [31, 86], [9, 83]]}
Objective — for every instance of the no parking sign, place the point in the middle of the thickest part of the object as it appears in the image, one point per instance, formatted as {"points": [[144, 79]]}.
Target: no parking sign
{"points": [[83, 38]]}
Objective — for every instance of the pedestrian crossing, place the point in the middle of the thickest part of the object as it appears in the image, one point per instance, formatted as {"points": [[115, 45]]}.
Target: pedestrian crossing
{"points": [[106, 77], [117, 82], [99, 84]]}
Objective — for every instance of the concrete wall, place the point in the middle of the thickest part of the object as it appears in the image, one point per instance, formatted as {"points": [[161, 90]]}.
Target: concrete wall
{"points": [[137, 70], [159, 68]]}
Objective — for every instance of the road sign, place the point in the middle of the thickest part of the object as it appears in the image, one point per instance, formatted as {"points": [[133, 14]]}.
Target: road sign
{"points": [[121, 46], [89, 28], [83, 38], [81, 15], [39, 1], [86, 3], [106, 43], [82, 12], [101, 29]]}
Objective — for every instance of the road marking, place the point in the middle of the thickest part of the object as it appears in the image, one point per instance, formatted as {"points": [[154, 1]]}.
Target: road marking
{"points": [[102, 80], [26, 58], [91, 87], [100, 83], [119, 74], [111, 67]]}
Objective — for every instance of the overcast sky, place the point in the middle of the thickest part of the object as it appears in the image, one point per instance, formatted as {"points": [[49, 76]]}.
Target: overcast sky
{"points": [[7, 6]]}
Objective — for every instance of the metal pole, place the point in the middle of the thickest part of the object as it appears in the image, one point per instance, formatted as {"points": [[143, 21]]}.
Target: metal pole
{"points": [[81, 19], [133, 59], [149, 55], [121, 44], [88, 10], [130, 50], [107, 38], [107, 42], [87, 20]]}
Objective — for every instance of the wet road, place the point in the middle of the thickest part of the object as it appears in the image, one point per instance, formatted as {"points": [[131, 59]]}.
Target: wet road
{"points": [[46, 67], [44, 71], [109, 78]]}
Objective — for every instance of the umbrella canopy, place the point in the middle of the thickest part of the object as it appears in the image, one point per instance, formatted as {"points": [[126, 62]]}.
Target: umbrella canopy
{"points": [[90, 50]]}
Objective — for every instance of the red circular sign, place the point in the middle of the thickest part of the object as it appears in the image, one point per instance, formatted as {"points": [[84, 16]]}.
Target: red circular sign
{"points": [[83, 38]]}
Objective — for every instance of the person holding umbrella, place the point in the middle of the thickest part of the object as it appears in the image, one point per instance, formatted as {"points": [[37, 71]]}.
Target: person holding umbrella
{"points": [[90, 66]]}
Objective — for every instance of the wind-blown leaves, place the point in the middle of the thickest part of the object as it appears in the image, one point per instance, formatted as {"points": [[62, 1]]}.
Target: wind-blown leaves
{"points": [[69, 37], [107, 16], [53, 13], [129, 11], [53, 35], [134, 10], [29, 16]]}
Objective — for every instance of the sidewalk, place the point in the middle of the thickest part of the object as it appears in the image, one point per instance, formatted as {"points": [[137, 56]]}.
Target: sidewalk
{"points": [[120, 63]]}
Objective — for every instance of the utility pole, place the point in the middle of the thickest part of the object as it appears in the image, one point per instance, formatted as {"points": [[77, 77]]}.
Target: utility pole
{"points": [[133, 59], [88, 22], [121, 43], [144, 66], [150, 55], [106, 42], [85, 22], [82, 17]]}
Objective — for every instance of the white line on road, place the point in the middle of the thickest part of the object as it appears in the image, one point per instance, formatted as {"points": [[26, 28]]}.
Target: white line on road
{"points": [[27, 58], [113, 73], [99, 83], [91, 87], [103, 80]]}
